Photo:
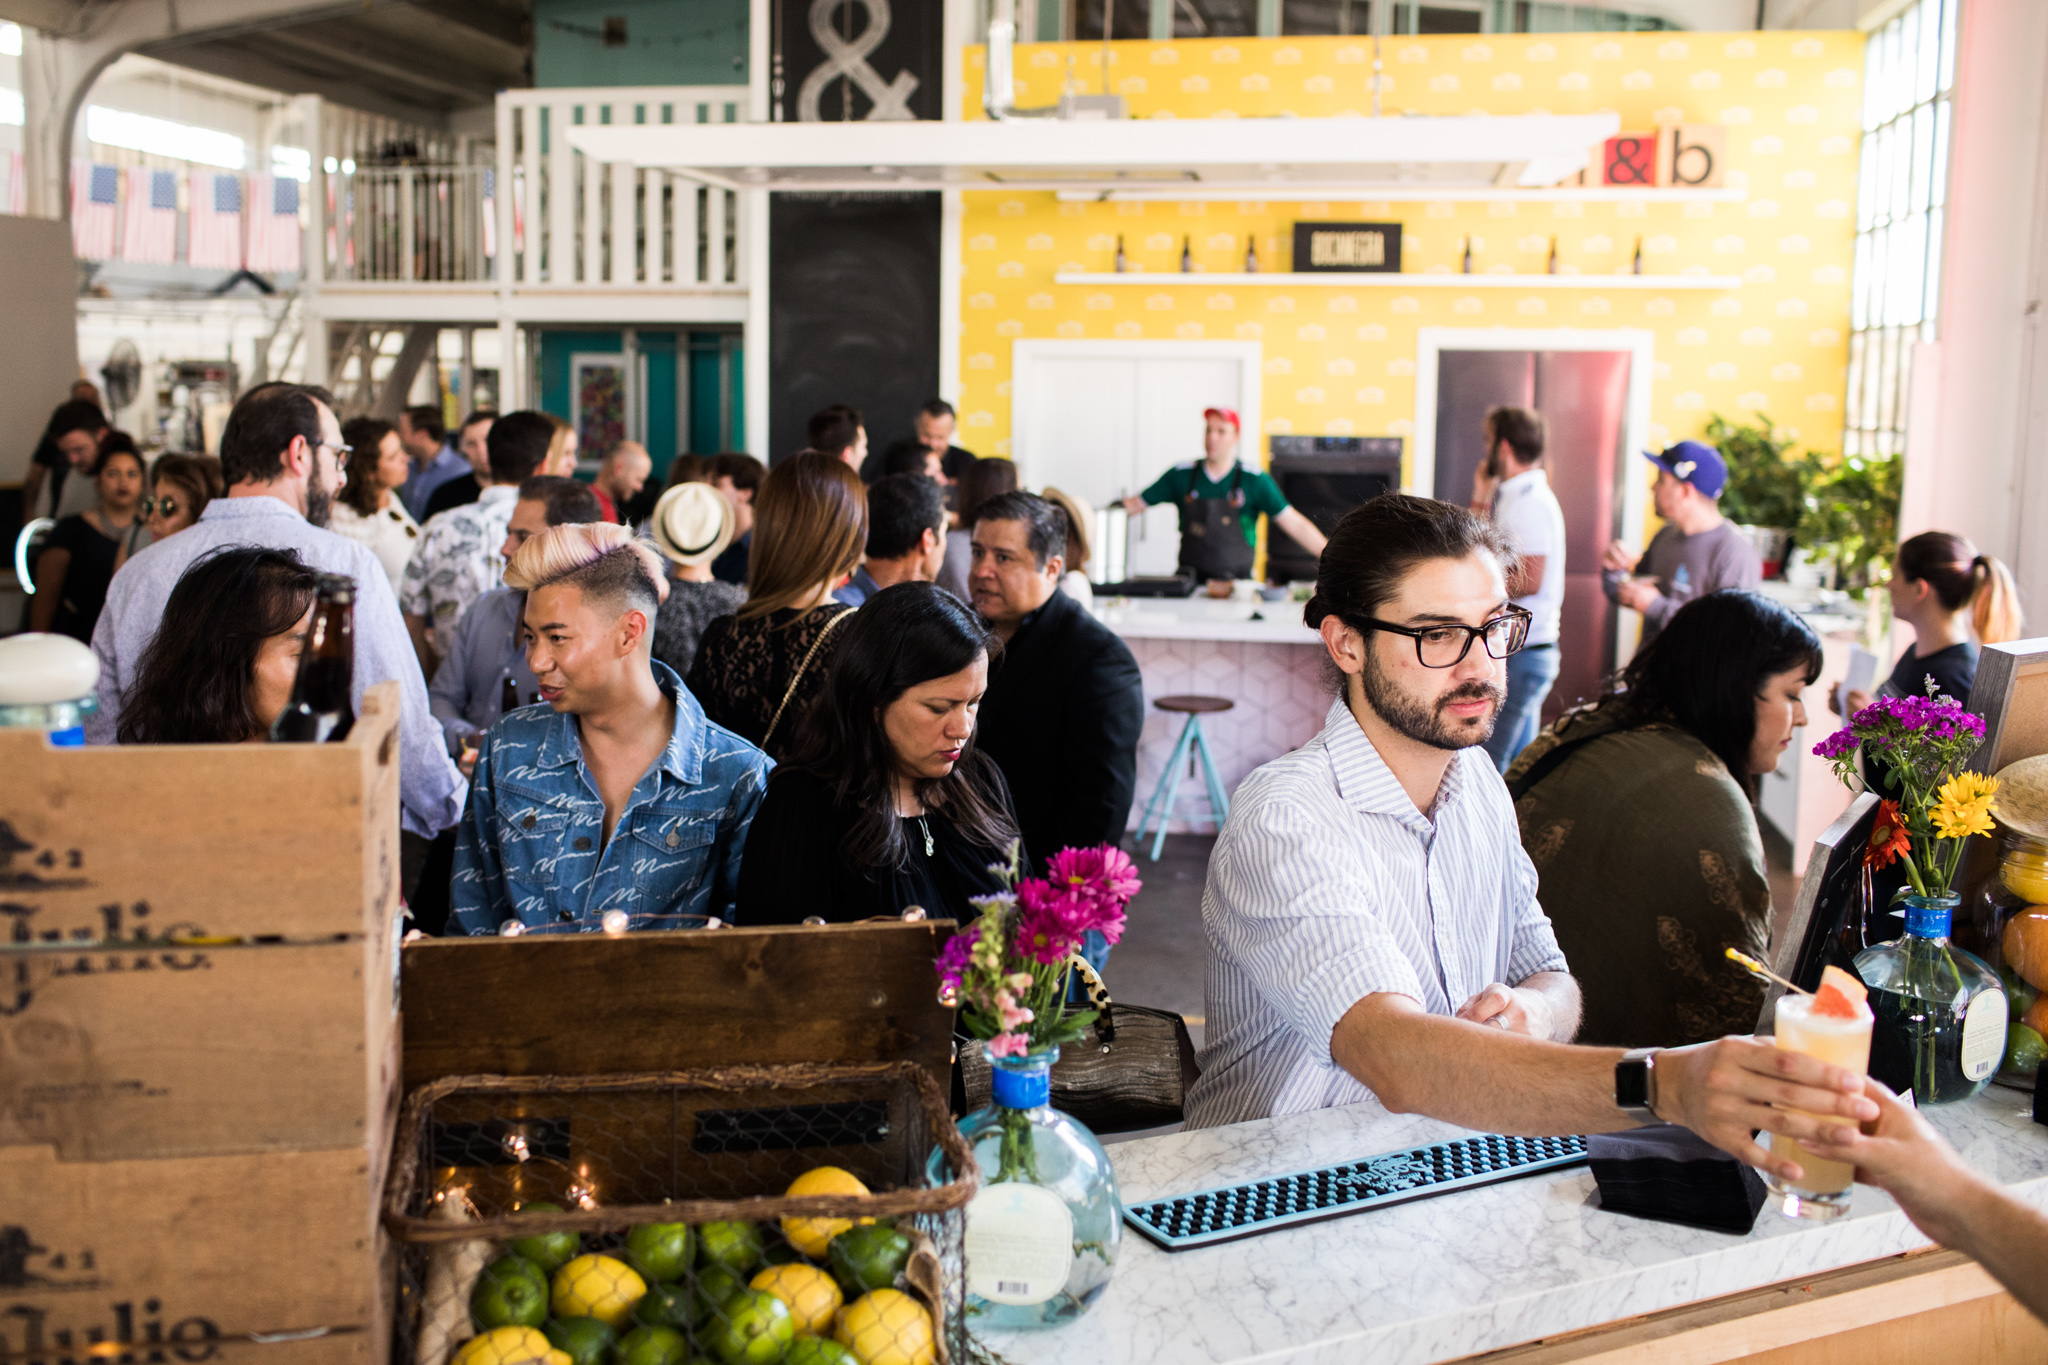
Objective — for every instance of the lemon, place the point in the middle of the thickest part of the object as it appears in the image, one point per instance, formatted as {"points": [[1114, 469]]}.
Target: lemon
{"points": [[508, 1346], [598, 1287], [812, 1296], [812, 1236], [888, 1327]]}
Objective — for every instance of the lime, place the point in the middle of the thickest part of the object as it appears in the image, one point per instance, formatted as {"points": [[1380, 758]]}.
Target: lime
{"points": [[714, 1286], [666, 1305], [734, 1245], [867, 1258], [2025, 1049], [548, 1250], [752, 1327], [653, 1346], [812, 1297], [818, 1351], [586, 1341], [779, 1252], [511, 1292], [597, 1287], [660, 1251], [2019, 996]]}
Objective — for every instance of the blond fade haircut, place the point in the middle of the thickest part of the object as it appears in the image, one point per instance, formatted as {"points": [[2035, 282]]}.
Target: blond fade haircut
{"points": [[607, 562]]}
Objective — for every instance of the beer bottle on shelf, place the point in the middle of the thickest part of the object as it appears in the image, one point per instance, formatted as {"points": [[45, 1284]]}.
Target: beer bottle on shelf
{"points": [[1251, 254], [508, 696], [1550, 266], [1121, 264], [1635, 265], [1187, 255], [321, 710], [1466, 265]]}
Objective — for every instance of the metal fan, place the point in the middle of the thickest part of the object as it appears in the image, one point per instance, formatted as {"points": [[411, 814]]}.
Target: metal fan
{"points": [[123, 374]]}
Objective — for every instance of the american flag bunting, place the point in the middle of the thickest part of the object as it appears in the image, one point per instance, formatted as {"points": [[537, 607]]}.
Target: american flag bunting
{"points": [[149, 228], [215, 241]]}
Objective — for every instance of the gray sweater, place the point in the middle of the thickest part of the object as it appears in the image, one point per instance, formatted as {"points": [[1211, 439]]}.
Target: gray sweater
{"points": [[1686, 567]]}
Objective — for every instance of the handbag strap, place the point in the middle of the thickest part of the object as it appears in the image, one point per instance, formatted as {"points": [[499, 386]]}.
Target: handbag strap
{"points": [[1098, 996], [802, 669]]}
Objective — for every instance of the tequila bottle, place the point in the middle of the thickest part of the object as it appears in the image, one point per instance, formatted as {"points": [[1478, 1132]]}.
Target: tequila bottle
{"points": [[1042, 1234], [1941, 1015]]}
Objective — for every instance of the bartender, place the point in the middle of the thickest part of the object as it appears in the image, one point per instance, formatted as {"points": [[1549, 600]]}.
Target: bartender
{"points": [[1220, 503]]}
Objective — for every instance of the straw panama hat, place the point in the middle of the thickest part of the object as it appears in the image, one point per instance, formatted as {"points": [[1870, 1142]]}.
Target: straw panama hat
{"points": [[692, 523]]}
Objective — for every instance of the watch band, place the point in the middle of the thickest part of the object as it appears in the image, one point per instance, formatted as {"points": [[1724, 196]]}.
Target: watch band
{"points": [[1635, 1084]]}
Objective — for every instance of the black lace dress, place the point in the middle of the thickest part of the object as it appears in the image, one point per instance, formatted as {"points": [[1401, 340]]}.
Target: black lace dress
{"points": [[744, 666]]}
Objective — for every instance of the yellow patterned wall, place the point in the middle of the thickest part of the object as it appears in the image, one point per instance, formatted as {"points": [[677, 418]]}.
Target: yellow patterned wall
{"points": [[1343, 360]]}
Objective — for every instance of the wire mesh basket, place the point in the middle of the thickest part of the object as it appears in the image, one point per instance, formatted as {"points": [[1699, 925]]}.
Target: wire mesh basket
{"points": [[741, 1216]]}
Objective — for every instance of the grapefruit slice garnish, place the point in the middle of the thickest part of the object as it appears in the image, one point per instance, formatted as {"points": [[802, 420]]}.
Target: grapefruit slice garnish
{"points": [[1840, 996]]}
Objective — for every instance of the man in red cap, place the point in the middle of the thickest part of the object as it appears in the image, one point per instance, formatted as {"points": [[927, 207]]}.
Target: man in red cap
{"points": [[1220, 503]]}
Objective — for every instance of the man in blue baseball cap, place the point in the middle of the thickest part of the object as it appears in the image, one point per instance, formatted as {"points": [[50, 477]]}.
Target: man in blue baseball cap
{"points": [[1698, 551]]}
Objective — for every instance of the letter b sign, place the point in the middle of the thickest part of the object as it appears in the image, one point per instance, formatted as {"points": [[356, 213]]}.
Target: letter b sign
{"points": [[1690, 155]]}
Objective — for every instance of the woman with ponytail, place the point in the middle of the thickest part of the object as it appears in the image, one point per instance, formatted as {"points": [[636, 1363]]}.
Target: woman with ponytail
{"points": [[1955, 600]]}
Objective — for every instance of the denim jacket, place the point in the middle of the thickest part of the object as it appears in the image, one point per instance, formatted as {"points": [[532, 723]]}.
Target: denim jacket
{"points": [[531, 847]]}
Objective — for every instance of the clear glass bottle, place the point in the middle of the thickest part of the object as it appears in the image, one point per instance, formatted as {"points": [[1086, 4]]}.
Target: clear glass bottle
{"points": [[1043, 1232], [2009, 919], [1941, 1015]]}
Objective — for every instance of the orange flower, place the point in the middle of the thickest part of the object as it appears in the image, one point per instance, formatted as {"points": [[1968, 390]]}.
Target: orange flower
{"points": [[1888, 837]]}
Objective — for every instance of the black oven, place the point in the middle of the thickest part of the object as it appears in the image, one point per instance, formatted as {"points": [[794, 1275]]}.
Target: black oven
{"points": [[1323, 477]]}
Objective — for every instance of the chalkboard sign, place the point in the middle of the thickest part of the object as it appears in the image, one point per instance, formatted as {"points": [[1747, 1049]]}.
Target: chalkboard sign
{"points": [[853, 310], [1362, 247]]}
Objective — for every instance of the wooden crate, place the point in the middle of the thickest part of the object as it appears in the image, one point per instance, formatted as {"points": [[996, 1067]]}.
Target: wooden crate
{"points": [[198, 1047], [596, 1004], [193, 1252], [233, 910]]}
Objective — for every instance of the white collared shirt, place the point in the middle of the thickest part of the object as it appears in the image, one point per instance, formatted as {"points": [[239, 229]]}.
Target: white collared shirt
{"points": [[1527, 510], [1326, 886]]}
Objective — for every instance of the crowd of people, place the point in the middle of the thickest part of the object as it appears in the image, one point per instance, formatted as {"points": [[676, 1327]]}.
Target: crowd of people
{"points": [[845, 685]]}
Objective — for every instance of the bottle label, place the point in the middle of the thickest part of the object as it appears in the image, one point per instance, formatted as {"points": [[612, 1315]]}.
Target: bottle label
{"points": [[1984, 1035], [1020, 1244]]}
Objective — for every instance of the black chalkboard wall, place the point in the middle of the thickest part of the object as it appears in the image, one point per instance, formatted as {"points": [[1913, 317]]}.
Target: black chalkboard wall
{"points": [[853, 310]]}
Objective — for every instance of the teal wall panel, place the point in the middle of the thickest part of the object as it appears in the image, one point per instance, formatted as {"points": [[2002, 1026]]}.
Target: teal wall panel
{"points": [[668, 42]]}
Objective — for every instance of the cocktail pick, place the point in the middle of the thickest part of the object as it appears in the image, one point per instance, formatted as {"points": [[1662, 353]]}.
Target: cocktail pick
{"points": [[1755, 968]]}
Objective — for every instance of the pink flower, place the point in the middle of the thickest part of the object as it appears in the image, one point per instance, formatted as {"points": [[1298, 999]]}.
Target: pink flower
{"points": [[1052, 920], [1008, 1045], [1106, 872], [1008, 1012]]}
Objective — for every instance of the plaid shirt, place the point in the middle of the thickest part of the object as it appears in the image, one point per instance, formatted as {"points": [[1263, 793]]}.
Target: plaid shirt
{"points": [[532, 845]]}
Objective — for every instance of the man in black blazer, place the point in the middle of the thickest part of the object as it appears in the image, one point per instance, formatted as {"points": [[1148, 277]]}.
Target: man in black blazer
{"points": [[1064, 704]]}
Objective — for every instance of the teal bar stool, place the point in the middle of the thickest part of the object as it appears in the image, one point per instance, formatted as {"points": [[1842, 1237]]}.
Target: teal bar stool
{"points": [[1192, 745]]}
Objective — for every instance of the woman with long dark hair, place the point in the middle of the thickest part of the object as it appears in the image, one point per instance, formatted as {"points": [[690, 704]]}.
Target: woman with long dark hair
{"points": [[758, 670], [221, 666], [84, 551], [883, 801], [368, 509], [1639, 813]]}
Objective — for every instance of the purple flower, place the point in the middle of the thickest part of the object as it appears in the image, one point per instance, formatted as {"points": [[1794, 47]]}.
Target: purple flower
{"points": [[954, 958], [1106, 872], [1836, 745]]}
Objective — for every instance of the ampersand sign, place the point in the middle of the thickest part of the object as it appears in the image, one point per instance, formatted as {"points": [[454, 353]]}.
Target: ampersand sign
{"points": [[849, 59]]}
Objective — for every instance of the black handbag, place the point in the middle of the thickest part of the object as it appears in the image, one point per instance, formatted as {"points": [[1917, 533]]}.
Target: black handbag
{"points": [[1131, 1072]]}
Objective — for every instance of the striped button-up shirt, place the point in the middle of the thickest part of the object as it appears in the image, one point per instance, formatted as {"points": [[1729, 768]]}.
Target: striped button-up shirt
{"points": [[1327, 885]]}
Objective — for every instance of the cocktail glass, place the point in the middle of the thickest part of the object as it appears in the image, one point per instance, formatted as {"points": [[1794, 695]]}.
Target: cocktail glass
{"points": [[1823, 1193]]}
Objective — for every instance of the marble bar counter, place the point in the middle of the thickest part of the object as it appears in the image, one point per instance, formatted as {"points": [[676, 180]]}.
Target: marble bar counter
{"points": [[1463, 1273], [1258, 654]]}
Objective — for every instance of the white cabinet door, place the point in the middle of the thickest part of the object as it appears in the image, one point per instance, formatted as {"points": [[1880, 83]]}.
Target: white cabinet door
{"points": [[1103, 419]]}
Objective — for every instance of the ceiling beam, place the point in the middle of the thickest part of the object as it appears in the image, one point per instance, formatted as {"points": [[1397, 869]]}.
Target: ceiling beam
{"points": [[239, 62], [327, 52], [407, 33]]}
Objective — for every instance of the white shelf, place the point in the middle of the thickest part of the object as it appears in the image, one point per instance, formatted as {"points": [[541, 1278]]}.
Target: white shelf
{"points": [[1284, 193], [1335, 279]]}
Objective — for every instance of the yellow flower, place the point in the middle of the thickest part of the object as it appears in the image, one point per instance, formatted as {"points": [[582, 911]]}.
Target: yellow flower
{"points": [[1963, 806]]}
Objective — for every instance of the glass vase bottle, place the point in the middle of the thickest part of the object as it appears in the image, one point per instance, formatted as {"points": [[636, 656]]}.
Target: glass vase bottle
{"points": [[2009, 914], [1043, 1231], [1941, 1015]]}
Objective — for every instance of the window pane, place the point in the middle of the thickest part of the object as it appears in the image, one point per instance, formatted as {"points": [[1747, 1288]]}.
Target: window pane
{"points": [[1444, 19], [1948, 43], [1939, 160], [1923, 155], [1859, 287], [1930, 309], [1325, 17], [1866, 184], [1928, 43]]}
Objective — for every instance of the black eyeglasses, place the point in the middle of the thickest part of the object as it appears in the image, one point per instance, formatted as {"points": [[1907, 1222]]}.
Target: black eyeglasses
{"points": [[166, 504], [1446, 646]]}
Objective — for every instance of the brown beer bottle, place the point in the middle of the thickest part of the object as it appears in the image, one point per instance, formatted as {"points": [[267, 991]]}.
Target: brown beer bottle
{"points": [[322, 709], [508, 696]]}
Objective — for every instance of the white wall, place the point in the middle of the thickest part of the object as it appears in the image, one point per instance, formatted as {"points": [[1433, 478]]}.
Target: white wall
{"points": [[1975, 461]]}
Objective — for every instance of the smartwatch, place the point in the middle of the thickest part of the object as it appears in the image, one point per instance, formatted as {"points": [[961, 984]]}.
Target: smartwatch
{"points": [[1635, 1084]]}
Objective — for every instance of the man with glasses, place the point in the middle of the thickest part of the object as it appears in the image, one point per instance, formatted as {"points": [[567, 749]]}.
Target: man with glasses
{"points": [[1372, 919], [283, 461]]}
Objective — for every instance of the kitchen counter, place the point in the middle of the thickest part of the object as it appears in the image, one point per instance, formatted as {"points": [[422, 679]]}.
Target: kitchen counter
{"points": [[1461, 1273]]}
